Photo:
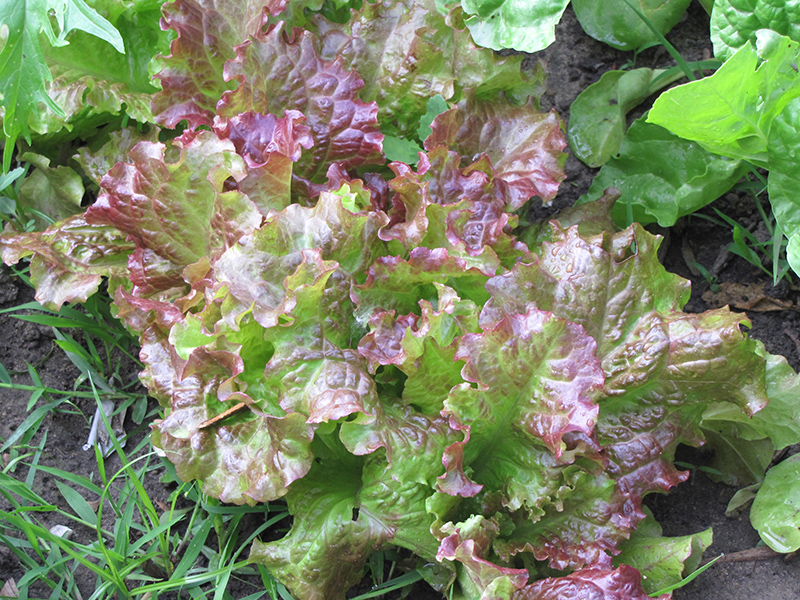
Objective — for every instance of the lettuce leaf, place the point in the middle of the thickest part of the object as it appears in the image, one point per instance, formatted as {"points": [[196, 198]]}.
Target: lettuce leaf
{"points": [[377, 349], [733, 24]]}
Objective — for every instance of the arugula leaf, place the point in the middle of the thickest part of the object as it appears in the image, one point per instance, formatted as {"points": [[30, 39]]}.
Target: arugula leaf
{"points": [[24, 73]]}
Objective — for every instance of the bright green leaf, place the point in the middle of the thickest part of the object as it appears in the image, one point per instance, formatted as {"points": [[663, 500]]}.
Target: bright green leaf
{"points": [[731, 112], [436, 106], [525, 25], [401, 150], [776, 510], [662, 560], [735, 22]]}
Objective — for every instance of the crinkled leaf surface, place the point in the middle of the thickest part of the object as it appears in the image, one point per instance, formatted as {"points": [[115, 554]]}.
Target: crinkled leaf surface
{"points": [[422, 347], [524, 147], [270, 146], [735, 22], [143, 199], [602, 584], [534, 370], [192, 79], [616, 24], [388, 347], [69, 258], [282, 70], [406, 52], [85, 88]]}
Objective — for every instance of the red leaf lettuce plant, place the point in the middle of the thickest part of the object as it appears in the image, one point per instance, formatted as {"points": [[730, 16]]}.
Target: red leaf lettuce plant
{"points": [[386, 355]]}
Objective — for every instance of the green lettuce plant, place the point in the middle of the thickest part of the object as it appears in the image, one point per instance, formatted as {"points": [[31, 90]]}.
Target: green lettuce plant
{"points": [[374, 343]]}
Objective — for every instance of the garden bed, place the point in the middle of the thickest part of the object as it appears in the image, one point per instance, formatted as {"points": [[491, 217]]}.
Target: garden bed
{"points": [[574, 62]]}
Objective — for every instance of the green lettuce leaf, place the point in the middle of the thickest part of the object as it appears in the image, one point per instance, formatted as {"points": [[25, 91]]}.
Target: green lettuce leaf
{"points": [[597, 116], [662, 177], [735, 22], [784, 175], [49, 194], [663, 562], [323, 554], [616, 24], [525, 25], [775, 510], [731, 112]]}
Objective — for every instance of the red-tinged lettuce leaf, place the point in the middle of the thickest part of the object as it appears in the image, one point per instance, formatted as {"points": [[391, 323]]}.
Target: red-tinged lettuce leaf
{"points": [[582, 523], [445, 205], [270, 146], [483, 576], [69, 259], [96, 163], [250, 456], [538, 379], [422, 347], [192, 75], [323, 386], [599, 283], [146, 198], [524, 147], [406, 52], [397, 284], [301, 243], [324, 553], [623, 583], [470, 543], [282, 70], [660, 364]]}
